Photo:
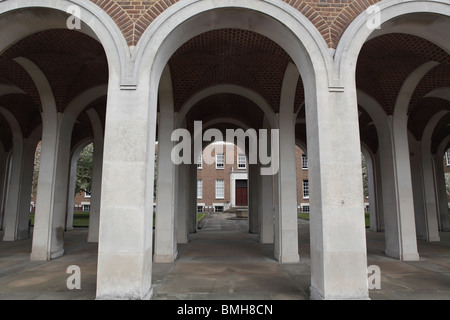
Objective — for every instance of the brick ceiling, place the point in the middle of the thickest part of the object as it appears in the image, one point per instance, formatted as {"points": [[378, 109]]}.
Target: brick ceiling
{"points": [[74, 62], [385, 63], [71, 61], [230, 56]]}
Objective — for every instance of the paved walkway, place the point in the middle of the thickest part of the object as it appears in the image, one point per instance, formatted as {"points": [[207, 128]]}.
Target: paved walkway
{"points": [[223, 261]]}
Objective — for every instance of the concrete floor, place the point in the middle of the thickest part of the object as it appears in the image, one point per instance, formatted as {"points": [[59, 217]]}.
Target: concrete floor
{"points": [[222, 262]]}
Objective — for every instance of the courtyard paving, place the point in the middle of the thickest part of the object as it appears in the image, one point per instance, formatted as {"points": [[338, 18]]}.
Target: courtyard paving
{"points": [[222, 262]]}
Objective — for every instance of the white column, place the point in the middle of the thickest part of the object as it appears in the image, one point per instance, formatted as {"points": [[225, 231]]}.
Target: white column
{"points": [[182, 215], [96, 191], [379, 191], [265, 207], [417, 184], [3, 182], [395, 176], [441, 191], [72, 186], [165, 238], [337, 226], [126, 225], [31, 142], [11, 219], [253, 203], [193, 198], [398, 203], [431, 209], [286, 229]]}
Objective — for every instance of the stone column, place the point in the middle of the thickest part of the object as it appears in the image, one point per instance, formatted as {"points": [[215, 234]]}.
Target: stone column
{"points": [[182, 215], [23, 226], [265, 207], [126, 225], [3, 181], [192, 213], [441, 193], [253, 203], [286, 229], [428, 172], [94, 214], [165, 238], [72, 186], [337, 226], [12, 213]]}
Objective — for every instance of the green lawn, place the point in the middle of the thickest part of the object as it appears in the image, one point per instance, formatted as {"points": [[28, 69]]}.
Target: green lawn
{"points": [[80, 219], [367, 217]]}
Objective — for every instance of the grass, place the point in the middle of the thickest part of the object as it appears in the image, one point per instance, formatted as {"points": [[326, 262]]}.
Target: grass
{"points": [[80, 219], [305, 215]]}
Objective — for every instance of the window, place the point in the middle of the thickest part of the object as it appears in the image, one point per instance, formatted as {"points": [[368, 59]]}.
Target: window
{"points": [[200, 161], [447, 158], [87, 195], [305, 209], [199, 189], [86, 207], [304, 161], [220, 161], [200, 208], [220, 189], [242, 161], [218, 208], [305, 189]]}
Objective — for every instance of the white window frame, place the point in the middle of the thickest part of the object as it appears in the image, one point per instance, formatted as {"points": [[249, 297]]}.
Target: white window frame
{"points": [[222, 195], [242, 165], [199, 188], [220, 164], [215, 208], [447, 158], [304, 162], [87, 195], [305, 189]]}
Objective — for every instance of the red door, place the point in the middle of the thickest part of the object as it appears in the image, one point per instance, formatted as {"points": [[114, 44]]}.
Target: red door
{"points": [[241, 193]]}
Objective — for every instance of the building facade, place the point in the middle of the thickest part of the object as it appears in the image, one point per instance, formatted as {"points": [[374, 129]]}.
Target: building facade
{"points": [[335, 77]]}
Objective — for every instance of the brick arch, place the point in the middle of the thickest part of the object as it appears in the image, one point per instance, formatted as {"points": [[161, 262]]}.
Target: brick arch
{"points": [[133, 17], [331, 18], [343, 19]]}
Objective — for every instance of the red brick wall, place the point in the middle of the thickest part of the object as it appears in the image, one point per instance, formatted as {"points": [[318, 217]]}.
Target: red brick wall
{"points": [[331, 17]]}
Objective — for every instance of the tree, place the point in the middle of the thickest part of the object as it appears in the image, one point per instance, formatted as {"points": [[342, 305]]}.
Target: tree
{"points": [[84, 170], [447, 183], [364, 176]]}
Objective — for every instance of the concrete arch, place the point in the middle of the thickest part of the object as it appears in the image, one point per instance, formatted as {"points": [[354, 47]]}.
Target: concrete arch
{"points": [[444, 223], [358, 32], [100, 26], [441, 93], [160, 40], [12, 213], [227, 88], [74, 155]]}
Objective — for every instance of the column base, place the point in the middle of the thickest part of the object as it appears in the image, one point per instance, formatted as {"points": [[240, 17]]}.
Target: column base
{"points": [[57, 254], [402, 257], [317, 295], [125, 296], [288, 258], [165, 258]]}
